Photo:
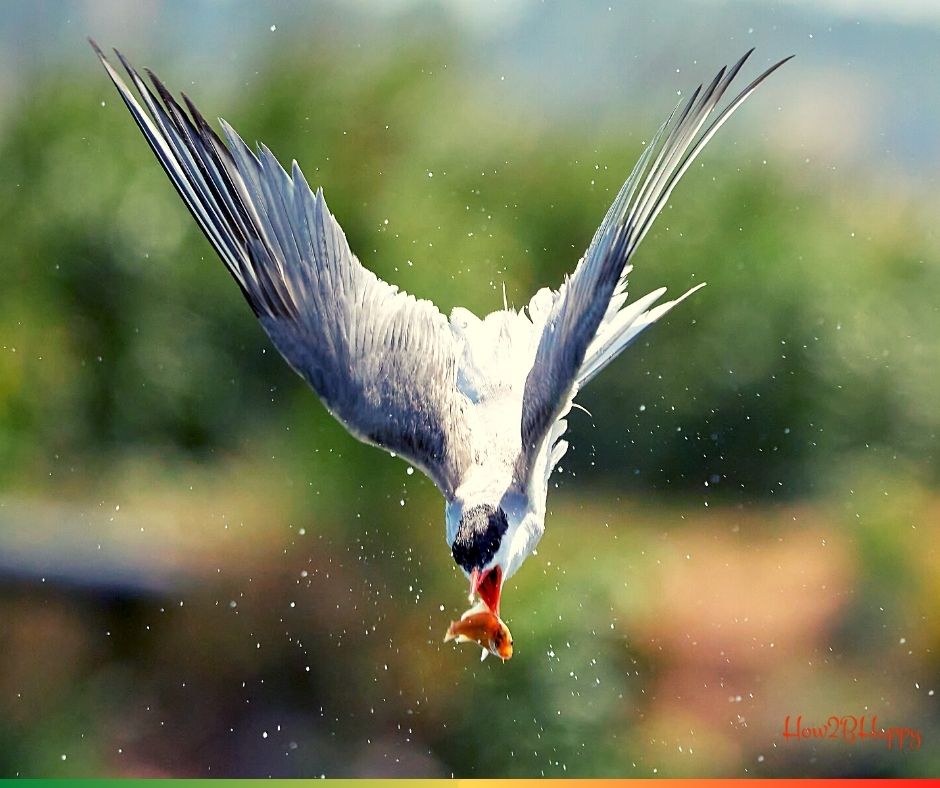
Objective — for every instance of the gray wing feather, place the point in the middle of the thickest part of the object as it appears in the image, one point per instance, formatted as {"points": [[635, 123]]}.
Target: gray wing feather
{"points": [[383, 362], [596, 292]]}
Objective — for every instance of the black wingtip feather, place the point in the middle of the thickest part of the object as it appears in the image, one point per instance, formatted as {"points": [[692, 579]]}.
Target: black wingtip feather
{"points": [[166, 111], [204, 126], [127, 66]]}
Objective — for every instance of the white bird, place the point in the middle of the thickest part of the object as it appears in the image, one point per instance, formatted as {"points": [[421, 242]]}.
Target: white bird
{"points": [[478, 405]]}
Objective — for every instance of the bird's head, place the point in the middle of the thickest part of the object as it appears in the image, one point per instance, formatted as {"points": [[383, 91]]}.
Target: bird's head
{"points": [[475, 548], [491, 542]]}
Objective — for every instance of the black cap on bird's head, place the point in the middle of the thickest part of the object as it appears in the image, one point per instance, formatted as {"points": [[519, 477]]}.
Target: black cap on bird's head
{"points": [[478, 539]]}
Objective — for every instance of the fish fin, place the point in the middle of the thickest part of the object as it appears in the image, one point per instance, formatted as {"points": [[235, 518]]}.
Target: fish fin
{"points": [[457, 638], [479, 607]]}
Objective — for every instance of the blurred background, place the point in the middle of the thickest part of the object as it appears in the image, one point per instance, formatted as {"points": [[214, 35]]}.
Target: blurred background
{"points": [[202, 574]]}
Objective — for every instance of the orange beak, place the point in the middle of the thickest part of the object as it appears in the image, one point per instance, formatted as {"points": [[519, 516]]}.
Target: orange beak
{"points": [[488, 587]]}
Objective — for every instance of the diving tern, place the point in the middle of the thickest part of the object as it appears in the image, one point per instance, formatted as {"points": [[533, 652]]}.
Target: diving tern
{"points": [[477, 405]]}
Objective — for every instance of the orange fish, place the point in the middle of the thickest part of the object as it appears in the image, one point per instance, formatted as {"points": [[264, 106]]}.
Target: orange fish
{"points": [[482, 626]]}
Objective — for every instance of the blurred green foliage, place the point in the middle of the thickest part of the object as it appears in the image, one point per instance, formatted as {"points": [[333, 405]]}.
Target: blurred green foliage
{"points": [[131, 370], [801, 349]]}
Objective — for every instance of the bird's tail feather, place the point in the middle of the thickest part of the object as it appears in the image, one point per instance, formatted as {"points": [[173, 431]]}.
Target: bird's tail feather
{"points": [[622, 329]]}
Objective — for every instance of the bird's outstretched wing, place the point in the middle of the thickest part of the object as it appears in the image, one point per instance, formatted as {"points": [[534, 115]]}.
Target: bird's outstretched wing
{"points": [[588, 324], [383, 362]]}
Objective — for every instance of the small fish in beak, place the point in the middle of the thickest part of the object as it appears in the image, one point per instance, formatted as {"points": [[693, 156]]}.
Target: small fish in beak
{"points": [[482, 626]]}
